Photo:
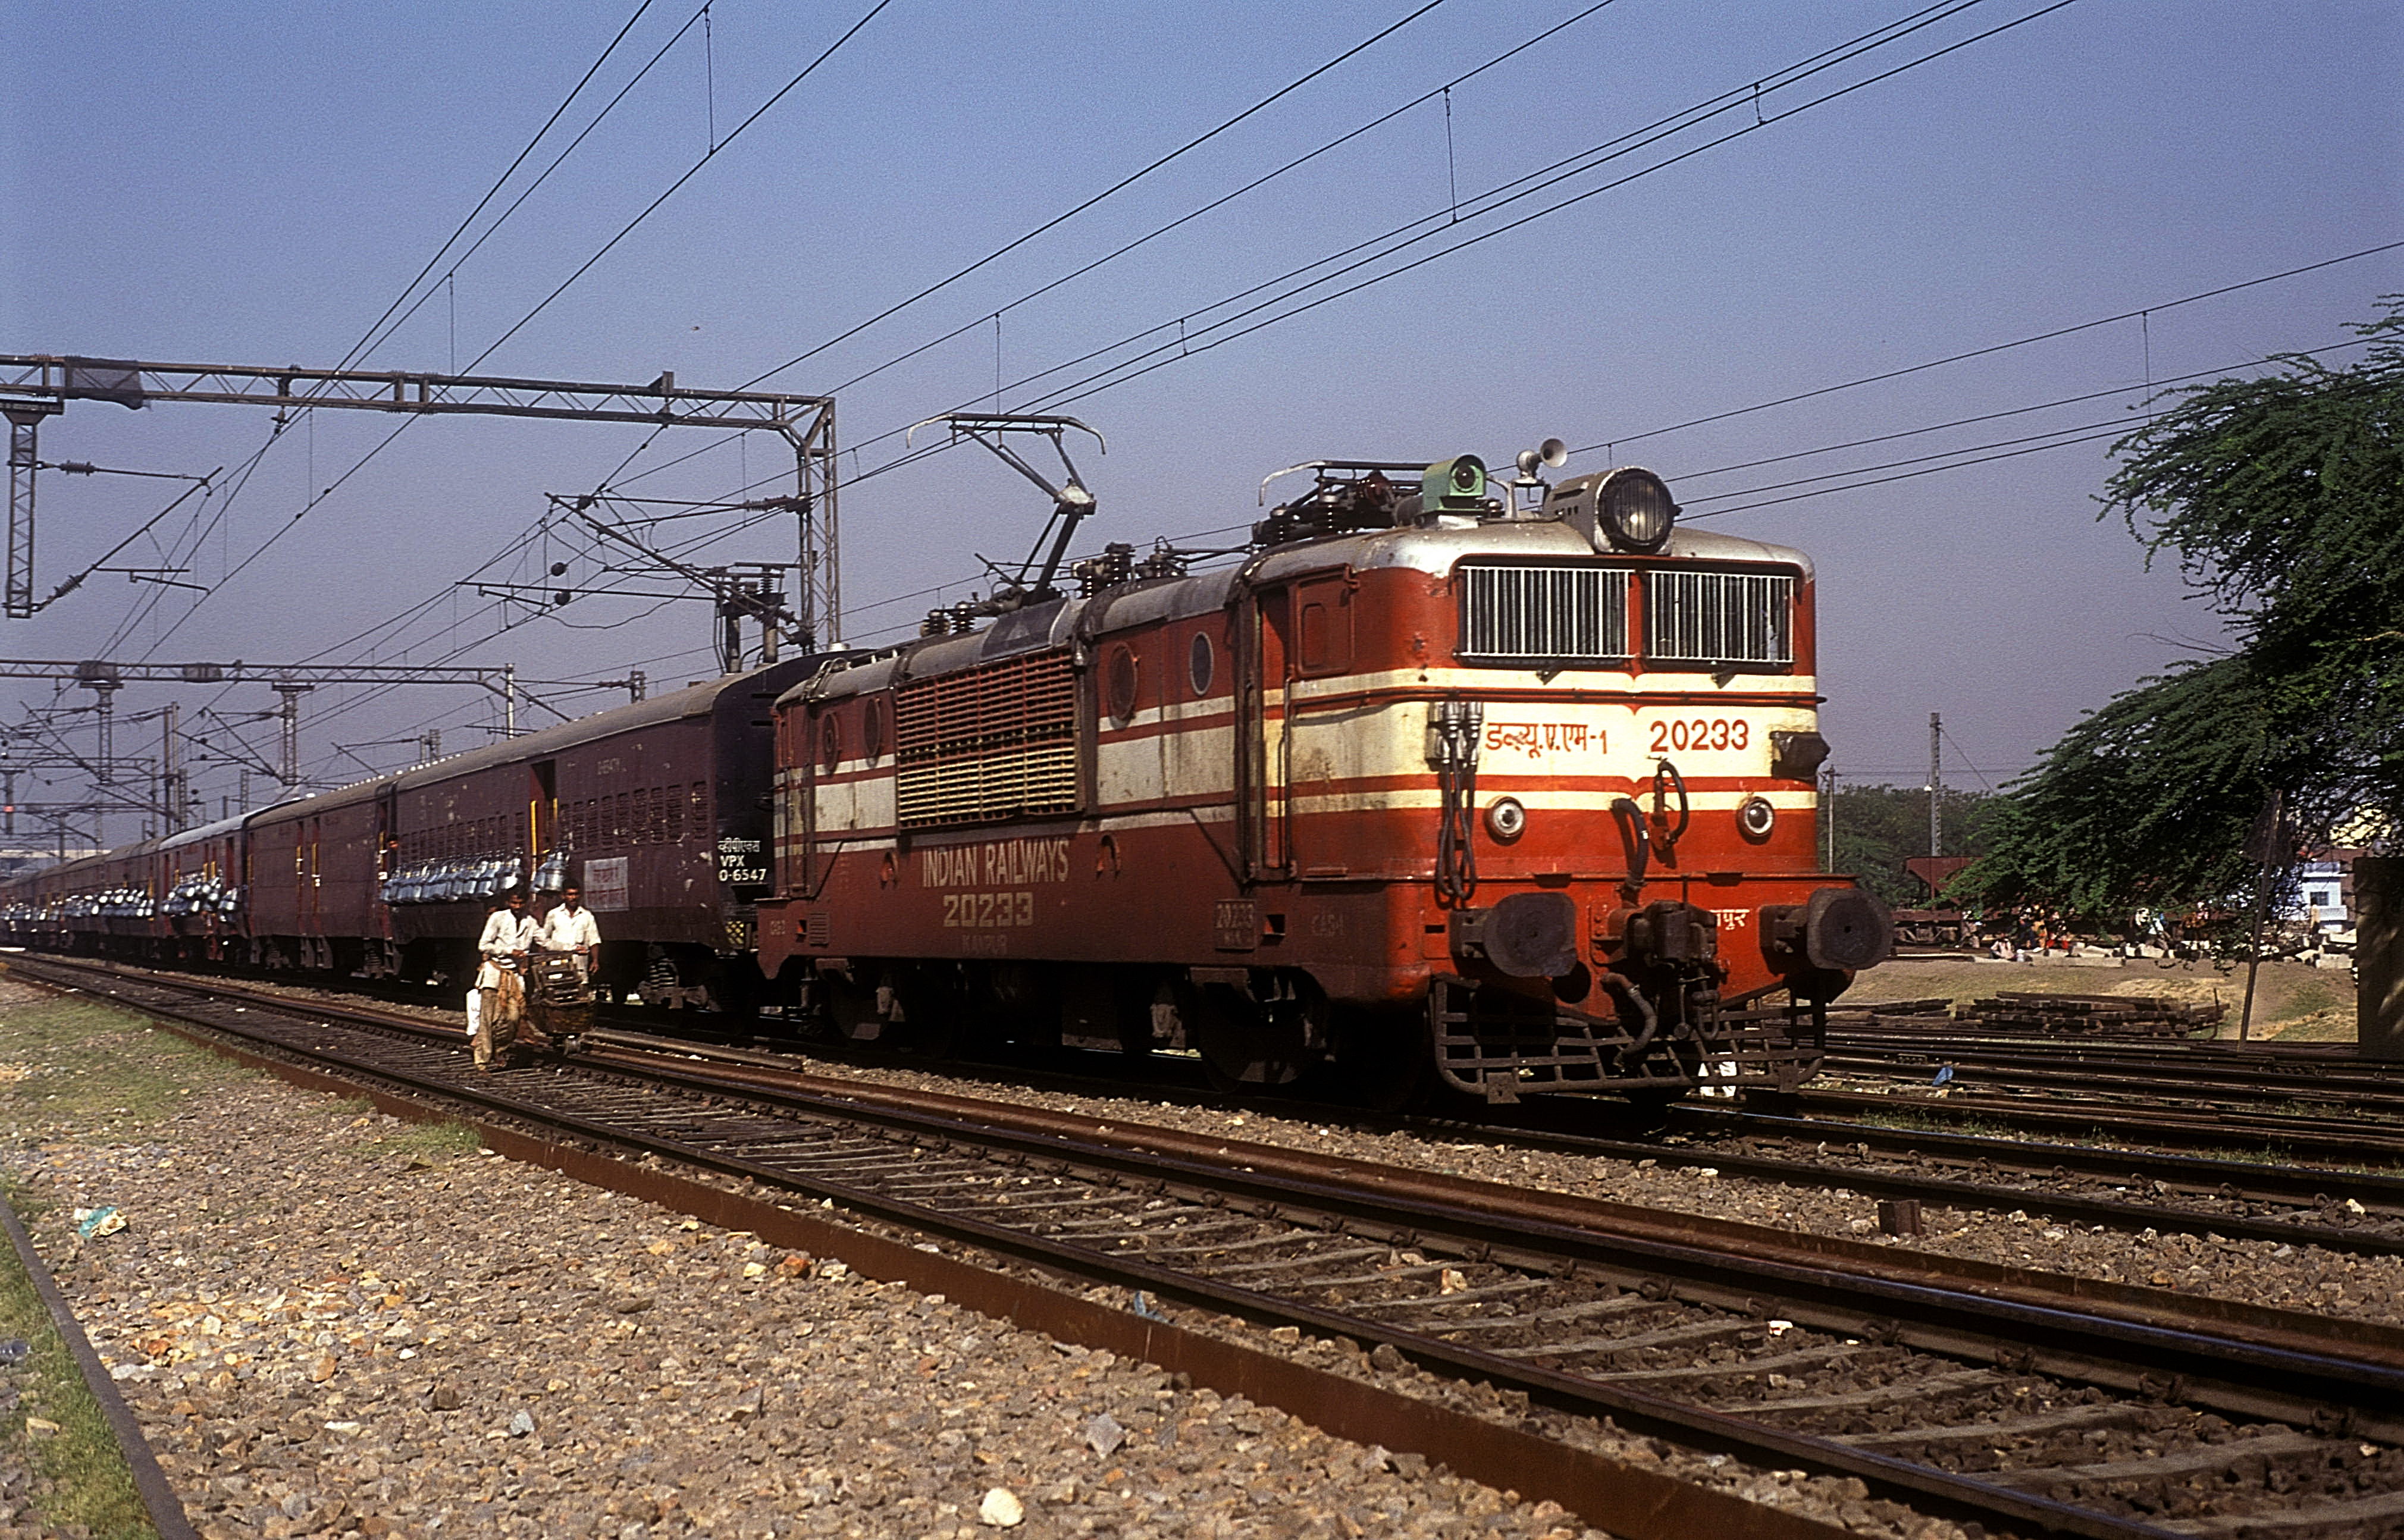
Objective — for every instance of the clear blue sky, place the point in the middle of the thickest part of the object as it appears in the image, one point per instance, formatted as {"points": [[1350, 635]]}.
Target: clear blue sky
{"points": [[255, 184]]}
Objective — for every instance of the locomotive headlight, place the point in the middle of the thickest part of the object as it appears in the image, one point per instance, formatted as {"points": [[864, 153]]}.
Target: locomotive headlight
{"points": [[1757, 819], [1505, 819], [1634, 510]]}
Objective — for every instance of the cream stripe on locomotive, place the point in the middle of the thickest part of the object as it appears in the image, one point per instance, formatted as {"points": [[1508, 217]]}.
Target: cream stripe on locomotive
{"points": [[1573, 740]]}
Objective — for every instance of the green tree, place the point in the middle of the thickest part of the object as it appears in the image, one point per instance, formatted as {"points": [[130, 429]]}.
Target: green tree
{"points": [[2282, 498], [1881, 827]]}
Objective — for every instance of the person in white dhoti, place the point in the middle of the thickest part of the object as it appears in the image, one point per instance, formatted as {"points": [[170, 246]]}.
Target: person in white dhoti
{"points": [[500, 951]]}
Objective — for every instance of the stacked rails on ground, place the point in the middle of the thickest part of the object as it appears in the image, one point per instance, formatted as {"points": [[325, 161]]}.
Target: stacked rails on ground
{"points": [[2093, 1016], [2010, 1013], [1890, 1013]]}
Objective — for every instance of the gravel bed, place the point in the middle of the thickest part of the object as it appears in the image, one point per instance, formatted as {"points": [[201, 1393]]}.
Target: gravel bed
{"points": [[397, 1335], [331, 1323]]}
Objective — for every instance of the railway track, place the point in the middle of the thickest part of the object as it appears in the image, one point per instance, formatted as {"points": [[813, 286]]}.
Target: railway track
{"points": [[2323, 1205], [2178, 1075], [2131, 1190], [2356, 1212], [2329, 1142], [2034, 1402]]}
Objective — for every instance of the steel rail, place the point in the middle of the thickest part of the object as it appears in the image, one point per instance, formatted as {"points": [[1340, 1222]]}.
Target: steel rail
{"points": [[2167, 1078], [2312, 1188], [2248, 1179], [2320, 1141], [2098, 1349]]}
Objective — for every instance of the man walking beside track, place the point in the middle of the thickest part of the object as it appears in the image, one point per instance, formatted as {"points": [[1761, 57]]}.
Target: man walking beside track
{"points": [[508, 932], [569, 928]]}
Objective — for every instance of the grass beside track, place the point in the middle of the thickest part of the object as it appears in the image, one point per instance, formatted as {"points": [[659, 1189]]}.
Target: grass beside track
{"points": [[81, 1483]]}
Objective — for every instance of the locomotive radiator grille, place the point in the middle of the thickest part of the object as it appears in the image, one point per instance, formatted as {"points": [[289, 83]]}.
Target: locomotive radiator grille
{"points": [[995, 742], [1719, 617], [1544, 614]]}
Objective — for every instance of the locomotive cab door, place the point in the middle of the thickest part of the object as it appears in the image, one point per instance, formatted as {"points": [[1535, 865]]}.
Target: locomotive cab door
{"points": [[804, 744], [1260, 647], [1302, 630]]}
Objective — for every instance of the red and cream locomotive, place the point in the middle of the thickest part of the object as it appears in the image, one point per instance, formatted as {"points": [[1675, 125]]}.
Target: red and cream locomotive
{"points": [[1514, 783]]}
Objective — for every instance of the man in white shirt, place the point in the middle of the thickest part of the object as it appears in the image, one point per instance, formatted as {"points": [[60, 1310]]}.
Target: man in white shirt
{"points": [[509, 933], [569, 928]]}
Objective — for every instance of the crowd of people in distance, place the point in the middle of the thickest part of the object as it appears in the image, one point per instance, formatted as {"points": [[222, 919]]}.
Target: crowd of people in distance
{"points": [[497, 1006]]}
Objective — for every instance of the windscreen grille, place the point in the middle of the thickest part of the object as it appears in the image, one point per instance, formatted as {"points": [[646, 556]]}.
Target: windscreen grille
{"points": [[1544, 614], [1719, 617], [996, 742]]}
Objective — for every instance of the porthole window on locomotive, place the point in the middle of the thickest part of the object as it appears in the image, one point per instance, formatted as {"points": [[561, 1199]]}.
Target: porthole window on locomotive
{"points": [[1200, 662], [871, 731], [830, 744], [1122, 680]]}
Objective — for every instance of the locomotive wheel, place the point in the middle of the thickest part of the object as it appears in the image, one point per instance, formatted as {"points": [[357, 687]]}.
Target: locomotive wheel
{"points": [[851, 1009], [934, 1007], [1383, 1060], [1242, 1044]]}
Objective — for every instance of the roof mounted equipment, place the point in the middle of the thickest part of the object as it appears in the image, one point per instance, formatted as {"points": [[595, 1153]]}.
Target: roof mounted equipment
{"points": [[1071, 503]]}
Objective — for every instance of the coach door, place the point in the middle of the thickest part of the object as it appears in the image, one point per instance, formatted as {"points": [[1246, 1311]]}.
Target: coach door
{"points": [[312, 886], [542, 816], [387, 838]]}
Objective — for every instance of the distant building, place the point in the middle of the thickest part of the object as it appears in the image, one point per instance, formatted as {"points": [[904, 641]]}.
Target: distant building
{"points": [[2324, 891], [17, 859]]}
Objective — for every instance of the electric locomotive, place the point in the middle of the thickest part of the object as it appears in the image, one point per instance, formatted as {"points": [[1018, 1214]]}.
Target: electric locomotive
{"points": [[1512, 784]]}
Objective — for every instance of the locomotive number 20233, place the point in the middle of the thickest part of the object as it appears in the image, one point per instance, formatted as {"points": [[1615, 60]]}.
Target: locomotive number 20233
{"points": [[988, 911], [1701, 733]]}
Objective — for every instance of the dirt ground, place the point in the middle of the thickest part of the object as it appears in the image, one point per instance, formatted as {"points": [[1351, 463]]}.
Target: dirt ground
{"points": [[2291, 1001]]}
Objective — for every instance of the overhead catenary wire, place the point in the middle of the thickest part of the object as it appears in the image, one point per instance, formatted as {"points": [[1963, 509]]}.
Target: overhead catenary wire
{"points": [[369, 340], [1121, 185], [544, 175], [1180, 340], [1442, 92], [1991, 348], [1911, 21], [317, 497], [651, 208], [1162, 357], [1689, 476]]}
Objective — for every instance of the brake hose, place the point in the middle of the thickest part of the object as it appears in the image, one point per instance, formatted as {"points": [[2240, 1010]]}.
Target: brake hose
{"points": [[1649, 1020]]}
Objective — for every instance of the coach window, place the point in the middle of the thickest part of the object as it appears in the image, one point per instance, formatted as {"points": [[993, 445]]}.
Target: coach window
{"points": [[830, 743], [1200, 662], [871, 731]]}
